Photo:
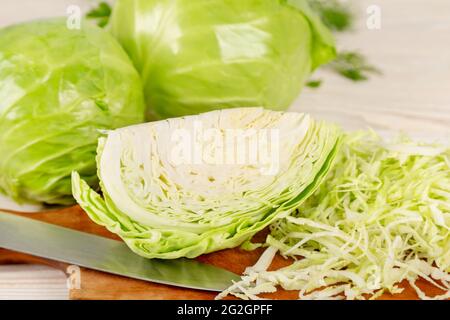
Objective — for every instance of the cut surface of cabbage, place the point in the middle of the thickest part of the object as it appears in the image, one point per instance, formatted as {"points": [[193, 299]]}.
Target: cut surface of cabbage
{"points": [[381, 217], [186, 186]]}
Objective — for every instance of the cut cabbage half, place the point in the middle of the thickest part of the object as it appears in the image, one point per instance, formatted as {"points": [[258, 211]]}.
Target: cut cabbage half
{"points": [[187, 186]]}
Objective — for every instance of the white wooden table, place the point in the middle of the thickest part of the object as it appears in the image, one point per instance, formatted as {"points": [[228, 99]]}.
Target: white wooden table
{"points": [[412, 49]]}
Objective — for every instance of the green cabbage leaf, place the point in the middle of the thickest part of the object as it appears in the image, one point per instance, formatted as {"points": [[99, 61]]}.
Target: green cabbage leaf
{"points": [[198, 55], [58, 88], [166, 208]]}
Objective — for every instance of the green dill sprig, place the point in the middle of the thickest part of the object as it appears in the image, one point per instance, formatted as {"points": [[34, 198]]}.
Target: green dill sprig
{"points": [[353, 66], [338, 16], [335, 14], [314, 83], [101, 14]]}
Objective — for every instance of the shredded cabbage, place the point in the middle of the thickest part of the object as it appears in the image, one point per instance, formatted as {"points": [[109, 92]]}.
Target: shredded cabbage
{"points": [[382, 216]]}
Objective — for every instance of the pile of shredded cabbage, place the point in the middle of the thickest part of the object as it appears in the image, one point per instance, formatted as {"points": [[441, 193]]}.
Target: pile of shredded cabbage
{"points": [[381, 217]]}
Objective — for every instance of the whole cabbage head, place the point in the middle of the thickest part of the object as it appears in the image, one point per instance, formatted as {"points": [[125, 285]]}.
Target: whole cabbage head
{"points": [[58, 88], [199, 55], [187, 186]]}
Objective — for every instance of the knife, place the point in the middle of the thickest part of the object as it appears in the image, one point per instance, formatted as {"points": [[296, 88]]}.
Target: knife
{"points": [[94, 252]]}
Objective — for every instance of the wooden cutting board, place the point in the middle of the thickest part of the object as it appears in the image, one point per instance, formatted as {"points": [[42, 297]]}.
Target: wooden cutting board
{"points": [[99, 285]]}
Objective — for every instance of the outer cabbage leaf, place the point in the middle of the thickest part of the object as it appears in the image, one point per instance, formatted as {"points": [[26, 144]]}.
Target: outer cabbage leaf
{"points": [[58, 87], [167, 210], [199, 55]]}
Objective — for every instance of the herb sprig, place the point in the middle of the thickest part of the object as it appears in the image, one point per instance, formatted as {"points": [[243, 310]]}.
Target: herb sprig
{"points": [[335, 15], [338, 16], [101, 14], [353, 66]]}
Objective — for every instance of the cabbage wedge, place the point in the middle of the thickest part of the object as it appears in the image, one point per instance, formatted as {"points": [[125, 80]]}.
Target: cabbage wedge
{"points": [[182, 187]]}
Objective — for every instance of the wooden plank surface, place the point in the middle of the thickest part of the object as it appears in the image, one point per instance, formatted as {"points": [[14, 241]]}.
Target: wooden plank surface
{"points": [[88, 284], [412, 48]]}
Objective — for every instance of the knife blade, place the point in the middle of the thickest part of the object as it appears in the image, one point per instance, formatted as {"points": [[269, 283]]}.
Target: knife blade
{"points": [[94, 252]]}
